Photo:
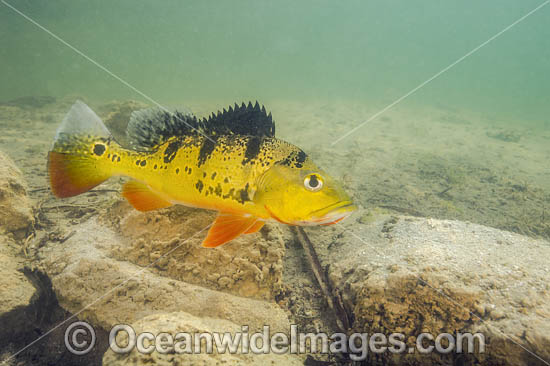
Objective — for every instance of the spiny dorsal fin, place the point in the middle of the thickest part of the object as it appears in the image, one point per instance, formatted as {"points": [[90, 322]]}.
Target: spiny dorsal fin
{"points": [[245, 119], [149, 128]]}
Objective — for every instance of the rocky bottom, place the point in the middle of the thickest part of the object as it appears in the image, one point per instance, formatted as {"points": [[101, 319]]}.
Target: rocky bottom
{"points": [[93, 258]]}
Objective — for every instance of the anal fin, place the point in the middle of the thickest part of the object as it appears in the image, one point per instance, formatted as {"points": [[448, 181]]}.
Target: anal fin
{"points": [[227, 227], [142, 198]]}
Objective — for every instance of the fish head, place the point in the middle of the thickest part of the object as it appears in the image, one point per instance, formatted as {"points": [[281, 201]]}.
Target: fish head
{"points": [[303, 196]]}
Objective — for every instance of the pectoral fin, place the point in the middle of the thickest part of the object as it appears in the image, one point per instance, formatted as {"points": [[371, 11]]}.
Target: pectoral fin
{"points": [[142, 198], [255, 228], [227, 227]]}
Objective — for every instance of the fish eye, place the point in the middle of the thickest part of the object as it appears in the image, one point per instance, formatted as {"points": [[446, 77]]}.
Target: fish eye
{"points": [[313, 182]]}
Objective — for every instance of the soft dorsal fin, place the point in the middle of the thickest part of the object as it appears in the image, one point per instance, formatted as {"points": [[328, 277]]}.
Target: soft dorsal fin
{"points": [[149, 128]]}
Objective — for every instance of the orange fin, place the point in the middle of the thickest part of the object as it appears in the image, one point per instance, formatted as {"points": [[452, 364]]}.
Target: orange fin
{"points": [[255, 228], [227, 227], [333, 222], [142, 198], [71, 175]]}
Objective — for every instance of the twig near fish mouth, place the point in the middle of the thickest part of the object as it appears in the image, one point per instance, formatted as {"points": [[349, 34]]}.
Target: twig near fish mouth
{"points": [[334, 301], [445, 191], [68, 206]]}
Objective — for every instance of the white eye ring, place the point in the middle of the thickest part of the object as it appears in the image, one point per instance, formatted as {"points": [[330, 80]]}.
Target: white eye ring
{"points": [[313, 182]]}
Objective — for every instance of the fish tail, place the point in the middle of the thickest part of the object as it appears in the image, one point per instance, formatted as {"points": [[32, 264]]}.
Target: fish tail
{"points": [[78, 160]]}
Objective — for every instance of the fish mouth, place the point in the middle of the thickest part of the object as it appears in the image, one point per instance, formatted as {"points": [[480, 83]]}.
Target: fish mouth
{"points": [[330, 214]]}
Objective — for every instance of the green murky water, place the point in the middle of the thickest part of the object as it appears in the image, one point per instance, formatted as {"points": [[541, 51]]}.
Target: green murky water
{"points": [[368, 52]]}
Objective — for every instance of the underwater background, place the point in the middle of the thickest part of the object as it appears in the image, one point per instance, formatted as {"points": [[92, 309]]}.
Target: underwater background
{"points": [[369, 52], [466, 140]]}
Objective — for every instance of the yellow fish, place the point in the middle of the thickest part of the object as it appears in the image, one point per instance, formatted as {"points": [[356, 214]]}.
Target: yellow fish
{"points": [[230, 162]]}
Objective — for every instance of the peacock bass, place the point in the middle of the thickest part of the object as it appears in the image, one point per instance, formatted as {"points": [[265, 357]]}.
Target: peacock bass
{"points": [[230, 162]]}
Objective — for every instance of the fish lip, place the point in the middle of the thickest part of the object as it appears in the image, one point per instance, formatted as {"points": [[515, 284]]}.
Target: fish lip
{"points": [[338, 206], [336, 212]]}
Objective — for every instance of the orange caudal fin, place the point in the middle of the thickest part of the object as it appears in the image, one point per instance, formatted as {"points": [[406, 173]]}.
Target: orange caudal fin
{"points": [[227, 227], [142, 198], [71, 175], [256, 227]]}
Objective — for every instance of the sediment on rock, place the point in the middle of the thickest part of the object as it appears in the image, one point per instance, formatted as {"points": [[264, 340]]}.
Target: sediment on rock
{"points": [[16, 213], [415, 275]]}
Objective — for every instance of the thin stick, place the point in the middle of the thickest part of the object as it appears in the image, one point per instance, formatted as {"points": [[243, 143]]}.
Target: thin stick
{"points": [[334, 302]]}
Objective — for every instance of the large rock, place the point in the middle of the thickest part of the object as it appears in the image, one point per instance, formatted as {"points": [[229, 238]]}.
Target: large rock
{"points": [[412, 275], [174, 323], [16, 291], [15, 219], [129, 267], [142, 270], [249, 266], [16, 215]]}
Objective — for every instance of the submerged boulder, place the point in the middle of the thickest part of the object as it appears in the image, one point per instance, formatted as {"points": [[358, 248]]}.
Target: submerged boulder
{"points": [[180, 322], [414, 275], [16, 292], [126, 267], [16, 214], [85, 267], [15, 220]]}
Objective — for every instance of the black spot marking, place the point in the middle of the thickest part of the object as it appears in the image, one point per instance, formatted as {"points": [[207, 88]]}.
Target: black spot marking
{"points": [[205, 151], [300, 159], [252, 149], [189, 171], [204, 174], [243, 195], [113, 158], [177, 170], [155, 167], [99, 149], [229, 194], [186, 169], [218, 190], [226, 180], [171, 151], [118, 159], [199, 185], [295, 159], [213, 175], [143, 163], [137, 162]]}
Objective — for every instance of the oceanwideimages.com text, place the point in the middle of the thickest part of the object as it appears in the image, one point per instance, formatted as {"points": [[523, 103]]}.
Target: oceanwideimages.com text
{"points": [[124, 339]]}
